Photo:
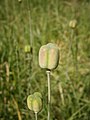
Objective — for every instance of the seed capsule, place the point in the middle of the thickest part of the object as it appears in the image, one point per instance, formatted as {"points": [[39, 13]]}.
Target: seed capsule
{"points": [[49, 56], [27, 48], [73, 23], [34, 102], [20, 1]]}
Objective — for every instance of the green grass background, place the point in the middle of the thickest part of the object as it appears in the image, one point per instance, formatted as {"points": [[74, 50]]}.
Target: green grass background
{"points": [[35, 23]]}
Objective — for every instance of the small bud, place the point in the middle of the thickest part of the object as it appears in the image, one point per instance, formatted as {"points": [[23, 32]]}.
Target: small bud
{"points": [[27, 48], [19, 0], [49, 56], [73, 23]]}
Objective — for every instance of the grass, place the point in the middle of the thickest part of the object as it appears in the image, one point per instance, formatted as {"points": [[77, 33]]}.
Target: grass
{"points": [[37, 23]]}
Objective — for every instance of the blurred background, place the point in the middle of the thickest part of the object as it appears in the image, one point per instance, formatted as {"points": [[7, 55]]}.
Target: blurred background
{"points": [[34, 23]]}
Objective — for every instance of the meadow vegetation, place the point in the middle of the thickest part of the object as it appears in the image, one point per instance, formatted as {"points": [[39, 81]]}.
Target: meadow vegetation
{"points": [[35, 23]]}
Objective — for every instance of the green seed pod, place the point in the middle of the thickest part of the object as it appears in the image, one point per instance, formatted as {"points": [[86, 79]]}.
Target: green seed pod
{"points": [[29, 101], [20, 1], [73, 23], [27, 48], [36, 104], [37, 94], [49, 56]]}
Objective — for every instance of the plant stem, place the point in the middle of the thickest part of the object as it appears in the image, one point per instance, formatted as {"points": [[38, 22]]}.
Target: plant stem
{"points": [[61, 93], [48, 78], [35, 115], [30, 33]]}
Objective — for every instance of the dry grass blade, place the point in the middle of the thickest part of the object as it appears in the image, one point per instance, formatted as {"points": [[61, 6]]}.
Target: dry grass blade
{"points": [[17, 108]]}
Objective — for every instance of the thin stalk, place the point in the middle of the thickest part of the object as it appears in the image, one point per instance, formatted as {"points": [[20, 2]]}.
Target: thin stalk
{"points": [[76, 52], [15, 41], [30, 33], [30, 24], [35, 115], [61, 93], [49, 99]]}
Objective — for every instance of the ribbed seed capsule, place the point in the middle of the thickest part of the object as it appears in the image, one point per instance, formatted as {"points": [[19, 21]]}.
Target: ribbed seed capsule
{"points": [[49, 56], [34, 102]]}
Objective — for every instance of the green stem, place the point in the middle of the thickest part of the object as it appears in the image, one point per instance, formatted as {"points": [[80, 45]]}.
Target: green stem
{"points": [[30, 34], [35, 115], [49, 100]]}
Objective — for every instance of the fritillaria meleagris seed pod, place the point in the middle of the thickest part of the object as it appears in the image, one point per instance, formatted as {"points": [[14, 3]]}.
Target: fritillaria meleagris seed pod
{"points": [[49, 56], [73, 23], [27, 49], [34, 102]]}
